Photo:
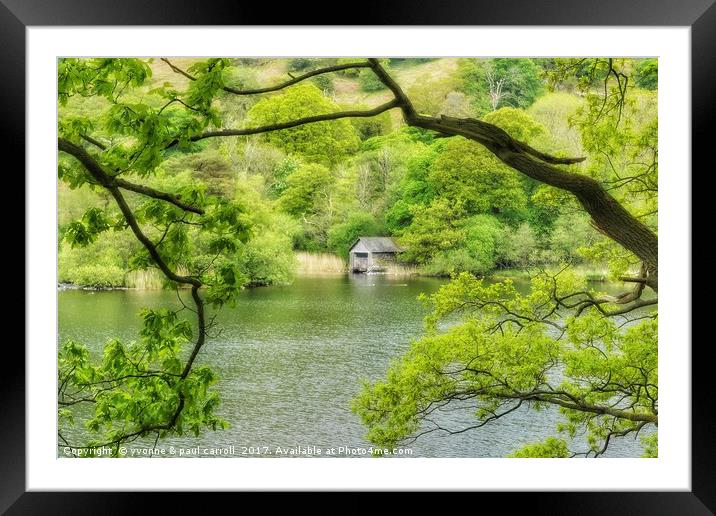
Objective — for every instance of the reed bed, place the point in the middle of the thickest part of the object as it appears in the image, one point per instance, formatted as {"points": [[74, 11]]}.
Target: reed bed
{"points": [[319, 263]]}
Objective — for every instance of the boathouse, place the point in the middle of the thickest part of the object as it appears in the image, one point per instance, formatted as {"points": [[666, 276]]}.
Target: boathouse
{"points": [[369, 254]]}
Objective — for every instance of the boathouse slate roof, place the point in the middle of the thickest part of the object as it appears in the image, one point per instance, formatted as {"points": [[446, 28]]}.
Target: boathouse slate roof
{"points": [[379, 244]]}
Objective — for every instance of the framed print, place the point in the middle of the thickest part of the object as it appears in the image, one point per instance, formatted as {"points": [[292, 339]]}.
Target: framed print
{"points": [[417, 252]]}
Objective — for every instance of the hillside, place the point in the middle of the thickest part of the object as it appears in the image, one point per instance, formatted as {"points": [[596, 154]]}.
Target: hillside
{"points": [[317, 187]]}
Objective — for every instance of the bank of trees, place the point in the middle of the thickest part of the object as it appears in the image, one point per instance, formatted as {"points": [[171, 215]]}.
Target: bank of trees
{"points": [[213, 179], [316, 178]]}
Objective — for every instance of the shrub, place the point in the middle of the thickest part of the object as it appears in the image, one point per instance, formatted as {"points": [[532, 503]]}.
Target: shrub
{"points": [[268, 259], [93, 275], [520, 247], [324, 83], [572, 232], [300, 64], [100, 264], [447, 263], [476, 252], [371, 126]]}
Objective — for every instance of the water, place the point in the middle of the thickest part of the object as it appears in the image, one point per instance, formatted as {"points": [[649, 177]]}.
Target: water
{"points": [[291, 358]]}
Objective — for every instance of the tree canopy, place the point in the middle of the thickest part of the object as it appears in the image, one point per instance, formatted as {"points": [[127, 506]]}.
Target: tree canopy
{"points": [[477, 172]]}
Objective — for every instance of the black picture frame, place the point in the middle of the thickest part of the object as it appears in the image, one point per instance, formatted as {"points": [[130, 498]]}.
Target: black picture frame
{"points": [[700, 15]]}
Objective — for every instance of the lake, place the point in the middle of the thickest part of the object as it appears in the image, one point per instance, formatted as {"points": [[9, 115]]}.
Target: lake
{"points": [[290, 359]]}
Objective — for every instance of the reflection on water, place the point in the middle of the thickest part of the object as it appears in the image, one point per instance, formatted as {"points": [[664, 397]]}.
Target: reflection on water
{"points": [[291, 358]]}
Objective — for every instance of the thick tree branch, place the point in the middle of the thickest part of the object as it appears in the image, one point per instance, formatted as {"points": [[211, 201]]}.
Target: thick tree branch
{"points": [[408, 110], [146, 242], [606, 212], [293, 123], [199, 303], [109, 181], [594, 409], [93, 141], [277, 87], [633, 296], [637, 304], [157, 194], [629, 279]]}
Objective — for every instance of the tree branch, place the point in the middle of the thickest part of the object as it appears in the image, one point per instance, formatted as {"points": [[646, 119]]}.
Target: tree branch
{"points": [[157, 194], [595, 409], [606, 212], [109, 181], [293, 123], [93, 141], [291, 82], [629, 279], [637, 304]]}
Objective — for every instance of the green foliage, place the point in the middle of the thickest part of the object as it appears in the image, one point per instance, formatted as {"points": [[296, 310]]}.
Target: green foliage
{"points": [[647, 74], [409, 61], [518, 124], [311, 196], [342, 236], [474, 83], [549, 448], [324, 83], [399, 216], [621, 137], [572, 234], [300, 64], [467, 175], [99, 77], [371, 127], [453, 185], [268, 259], [478, 251], [377, 174], [435, 228], [520, 246], [369, 82], [500, 82], [554, 112], [452, 203], [153, 389], [85, 231], [349, 72], [651, 446], [504, 354], [429, 95], [323, 142], [522, 84], [457, 105], [103, 262], [280, 175], [306, 189], [209, 81], [415, 189], [95, 275]]}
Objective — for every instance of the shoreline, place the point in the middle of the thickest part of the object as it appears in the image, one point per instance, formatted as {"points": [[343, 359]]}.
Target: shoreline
{"points": [[592, 275]]}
